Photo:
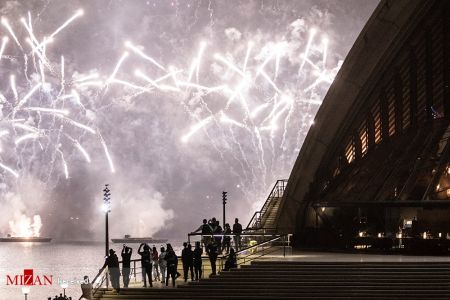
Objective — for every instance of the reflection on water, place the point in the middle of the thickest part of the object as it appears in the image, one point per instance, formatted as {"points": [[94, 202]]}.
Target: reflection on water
{"points": [[63, 260]]}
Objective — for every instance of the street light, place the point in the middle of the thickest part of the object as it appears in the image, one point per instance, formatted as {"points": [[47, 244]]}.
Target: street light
{"points": [[25, 291], [107, 209], [64, 286], [224, 202]]}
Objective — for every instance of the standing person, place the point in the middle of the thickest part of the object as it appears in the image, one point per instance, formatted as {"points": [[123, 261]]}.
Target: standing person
{"points": [[146, 263], [218, 236], [198, 251], [86, 289], [162, 264], [226, 238], [237, 230], [188, 261], [155, 264], [172, 263], [126, 261], [112, 261], [211, 249], [206, 231]]}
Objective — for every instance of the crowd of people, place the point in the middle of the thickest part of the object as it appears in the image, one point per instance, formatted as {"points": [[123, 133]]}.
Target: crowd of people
{"points": [[213, 233], [162, 266], [60, 297], [217, 240]]}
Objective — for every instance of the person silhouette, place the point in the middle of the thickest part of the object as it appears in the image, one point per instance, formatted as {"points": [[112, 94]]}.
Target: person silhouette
{"points": [[155, 257], [162, 264], [237, 230], [172, 263], [198, 251], [126, 262], [226, 238], [86, 289], [231, 261], [206, 231], [188, 261], [112, 262], [146, 263], [212, 251]]}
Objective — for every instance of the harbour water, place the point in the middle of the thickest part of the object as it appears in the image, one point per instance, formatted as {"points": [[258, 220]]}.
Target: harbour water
{"points": [[68, 261]]}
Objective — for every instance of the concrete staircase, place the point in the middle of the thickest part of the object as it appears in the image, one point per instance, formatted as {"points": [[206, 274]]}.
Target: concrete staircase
{"points": [[313, 280]]}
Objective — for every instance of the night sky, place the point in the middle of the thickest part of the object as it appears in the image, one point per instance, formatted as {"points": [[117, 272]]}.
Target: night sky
{"points": [[252, 114]]}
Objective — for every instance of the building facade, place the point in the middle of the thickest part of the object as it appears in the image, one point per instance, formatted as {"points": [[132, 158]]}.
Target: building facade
{"points": [[374, 170]]}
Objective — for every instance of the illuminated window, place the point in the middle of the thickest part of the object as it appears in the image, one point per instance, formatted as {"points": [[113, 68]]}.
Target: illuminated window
{"points": [[350, 152], [364, 138], [377, 122]]}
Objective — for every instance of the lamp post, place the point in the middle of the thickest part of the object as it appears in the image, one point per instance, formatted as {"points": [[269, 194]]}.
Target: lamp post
{"points": [[25, 291], [64, 286], [106, 209], [224, 201]]}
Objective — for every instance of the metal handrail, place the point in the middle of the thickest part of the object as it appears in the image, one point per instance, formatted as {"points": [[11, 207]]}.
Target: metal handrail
{"points": [[257, 253], [276, 192]]}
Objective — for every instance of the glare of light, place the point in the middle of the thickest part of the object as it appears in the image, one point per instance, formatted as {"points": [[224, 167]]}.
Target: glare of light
{"points": [[25, 290], [64, 285], [105, 207]]}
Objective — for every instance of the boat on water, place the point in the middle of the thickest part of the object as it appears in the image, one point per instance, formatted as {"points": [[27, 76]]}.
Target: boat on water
{"points": [[18, 239], [127, 239]]}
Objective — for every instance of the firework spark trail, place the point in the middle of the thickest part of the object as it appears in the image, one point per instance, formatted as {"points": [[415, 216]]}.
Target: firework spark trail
{"points": [[30, 104], [247, 55], [312, 33], [25, 137], [79, 13], [108, 156], [12, 80], [8, 169], [3, 46], [5, 23], [64, 164], [199, 59], [143, 55], [116, 68], [325, 49], [26, 97]]}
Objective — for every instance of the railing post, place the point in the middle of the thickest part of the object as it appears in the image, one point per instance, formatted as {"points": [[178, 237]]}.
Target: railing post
{"points": [[284, 246], [134, 266]]}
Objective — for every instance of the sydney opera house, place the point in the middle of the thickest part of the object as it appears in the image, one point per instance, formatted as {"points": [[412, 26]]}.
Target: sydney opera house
{"points": [[374, 170]]}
